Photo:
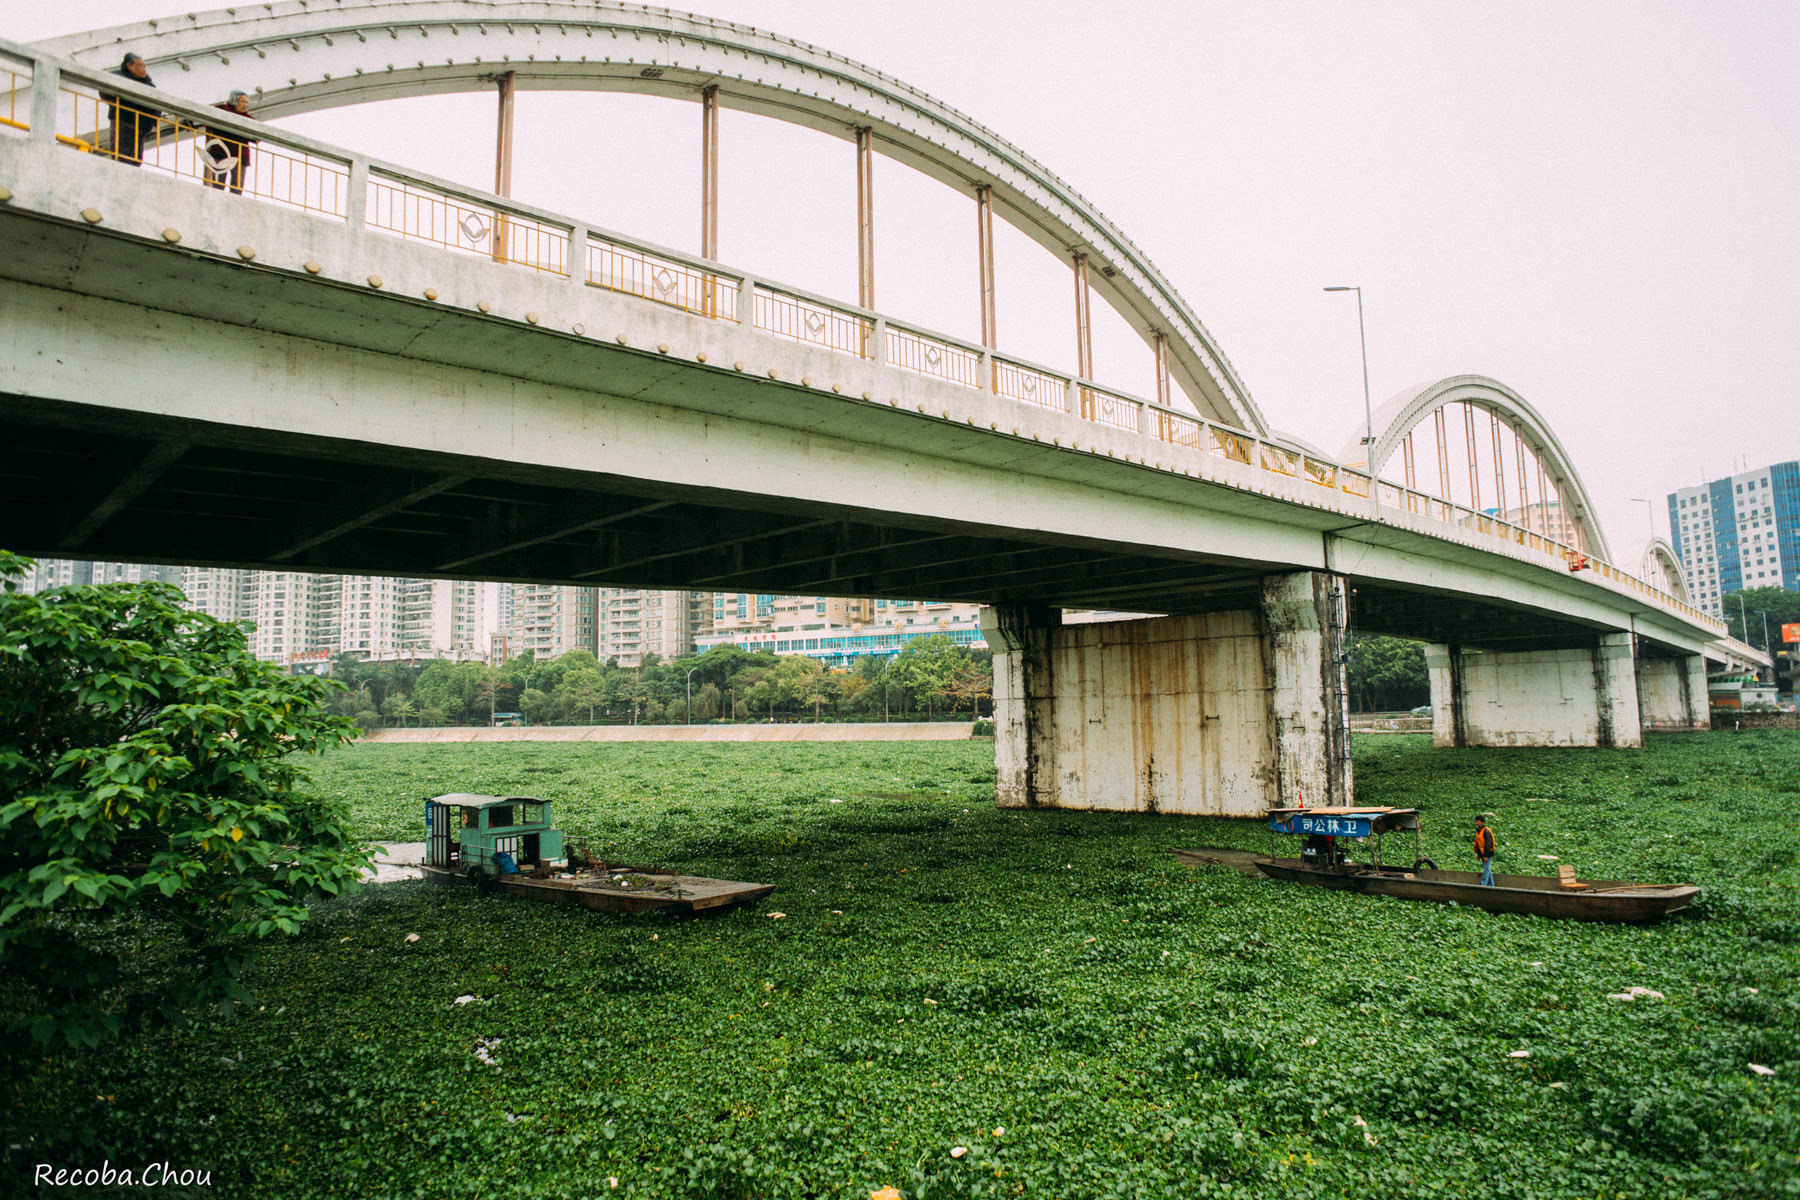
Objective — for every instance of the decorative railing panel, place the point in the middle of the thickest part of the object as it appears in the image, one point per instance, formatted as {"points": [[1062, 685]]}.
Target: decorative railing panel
{"points": [[808, 321], [1030, 385], [929, 356], [423, 215], [620, 268]]}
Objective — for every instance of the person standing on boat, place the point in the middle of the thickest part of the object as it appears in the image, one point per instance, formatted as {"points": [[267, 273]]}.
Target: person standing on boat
{"points": [[1484, 850]]}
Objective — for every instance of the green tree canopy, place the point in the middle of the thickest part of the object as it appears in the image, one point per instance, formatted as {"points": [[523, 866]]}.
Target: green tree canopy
{"points": [[150, 770], [1781, 607], [1387, 673]]}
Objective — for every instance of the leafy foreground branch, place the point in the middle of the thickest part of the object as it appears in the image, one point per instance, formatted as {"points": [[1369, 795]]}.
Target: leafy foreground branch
{"points": [[152, 822]]}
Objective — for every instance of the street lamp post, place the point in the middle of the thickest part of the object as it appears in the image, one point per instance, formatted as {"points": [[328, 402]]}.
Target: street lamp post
{"points": [[1368, 409], [688, 712]]}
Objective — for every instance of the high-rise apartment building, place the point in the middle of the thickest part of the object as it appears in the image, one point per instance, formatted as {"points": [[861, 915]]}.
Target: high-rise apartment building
{"points": [[217, 591], [634, 622], [1739, 532], [837, 631], [549, 619], [301, 616], [734, 612], [63, 572]]}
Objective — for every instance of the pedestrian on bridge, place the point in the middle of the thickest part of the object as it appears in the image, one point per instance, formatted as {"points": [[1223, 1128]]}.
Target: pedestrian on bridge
{"points": [[1484, 850], [228, 157], [130, 124]]}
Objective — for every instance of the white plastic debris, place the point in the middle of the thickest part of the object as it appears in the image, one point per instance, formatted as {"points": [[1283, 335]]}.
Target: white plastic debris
{"points": [[776, 916], [412, 937], [1751, 990], [464, 1000], [1559, 1085], [1519, 1054], [612, 1181], [483, 1046], [999, 1131], [1620, 996], [1535, 963], [1309, 1041], [1646, 993], [1762, 1070], [958, 1151], [1547, 857], [834, 802], [1368, 1138]]}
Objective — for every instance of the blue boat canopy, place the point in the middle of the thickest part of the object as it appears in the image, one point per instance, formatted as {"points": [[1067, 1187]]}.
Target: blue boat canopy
{"points": [[1342, 822]]}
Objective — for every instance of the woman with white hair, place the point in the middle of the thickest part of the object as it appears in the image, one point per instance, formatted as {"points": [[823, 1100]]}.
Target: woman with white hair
{"points": [[226, 158]]}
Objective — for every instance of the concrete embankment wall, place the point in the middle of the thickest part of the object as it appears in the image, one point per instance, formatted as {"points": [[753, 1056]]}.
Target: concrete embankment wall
{"points": [[898, 731], [1731, 718]]}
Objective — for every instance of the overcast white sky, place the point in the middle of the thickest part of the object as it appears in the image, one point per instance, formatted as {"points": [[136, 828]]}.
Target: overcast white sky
{"points": [[1595, 203]]}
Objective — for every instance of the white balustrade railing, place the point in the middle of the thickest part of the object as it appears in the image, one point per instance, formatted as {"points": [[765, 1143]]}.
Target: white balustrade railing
{"points": [[56, 102]]}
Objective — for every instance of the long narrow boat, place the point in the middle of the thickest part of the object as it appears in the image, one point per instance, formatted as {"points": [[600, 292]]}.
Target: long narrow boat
{"points": [[1323, 864], [1608, 900], [622, 891]]}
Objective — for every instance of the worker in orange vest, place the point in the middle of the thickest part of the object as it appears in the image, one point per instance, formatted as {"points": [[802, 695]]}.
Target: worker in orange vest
{"points": [[1484, 850]]}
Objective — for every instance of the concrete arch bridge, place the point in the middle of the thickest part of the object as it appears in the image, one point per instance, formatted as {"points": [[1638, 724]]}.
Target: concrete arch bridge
{"points": [[304, 358]]}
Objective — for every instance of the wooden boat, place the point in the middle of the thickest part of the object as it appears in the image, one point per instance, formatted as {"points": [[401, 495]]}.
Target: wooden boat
{"points": [[1323, 864], [1608, 900], [621, 891], [508, 844]]}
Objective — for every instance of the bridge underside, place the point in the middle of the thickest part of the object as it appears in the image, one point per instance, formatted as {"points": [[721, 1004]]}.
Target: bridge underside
{"points": [[81, 481]]}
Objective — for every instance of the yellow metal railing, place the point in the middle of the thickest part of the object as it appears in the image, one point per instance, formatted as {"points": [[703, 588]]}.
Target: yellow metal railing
{"points": [[126, 133], [928, 356], [814, 324], [15, 112], [651, 277], [1032, 387], [1104, 408], [1179, 430], [420, 215]]}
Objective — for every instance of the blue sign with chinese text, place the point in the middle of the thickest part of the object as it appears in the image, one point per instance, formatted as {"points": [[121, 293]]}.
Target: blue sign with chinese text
{"points": [[1302, 823]]}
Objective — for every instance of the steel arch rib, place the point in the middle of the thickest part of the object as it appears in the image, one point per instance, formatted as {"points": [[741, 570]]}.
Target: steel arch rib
{"points": [[303, 55], [1659, 553], [1400, 415]]}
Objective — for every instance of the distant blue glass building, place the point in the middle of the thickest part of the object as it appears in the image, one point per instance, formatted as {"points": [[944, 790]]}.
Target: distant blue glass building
{"points": [[1739, 532]]}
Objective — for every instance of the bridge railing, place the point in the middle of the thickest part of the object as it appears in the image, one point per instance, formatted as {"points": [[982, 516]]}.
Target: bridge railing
{"points": [[93, 114], [85, 111], [15, 106]]}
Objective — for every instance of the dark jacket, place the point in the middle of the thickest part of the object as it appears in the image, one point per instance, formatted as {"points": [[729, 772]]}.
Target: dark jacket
{"points": [[110, 98]]}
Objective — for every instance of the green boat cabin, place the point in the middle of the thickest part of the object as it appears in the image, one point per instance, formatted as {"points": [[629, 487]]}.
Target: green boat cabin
{"points": [[466, 832]]}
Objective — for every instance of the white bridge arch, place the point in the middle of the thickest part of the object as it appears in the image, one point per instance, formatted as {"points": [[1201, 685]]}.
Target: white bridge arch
{"points": [[1660, 566], [298, 56], [1396, 419]]}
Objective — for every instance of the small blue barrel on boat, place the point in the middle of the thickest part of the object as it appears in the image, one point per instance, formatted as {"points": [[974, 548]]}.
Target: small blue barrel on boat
{"points": [[504, 864]]}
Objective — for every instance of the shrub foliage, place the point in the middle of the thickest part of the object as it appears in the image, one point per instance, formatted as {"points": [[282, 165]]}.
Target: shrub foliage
{"points": [[153, 821]]}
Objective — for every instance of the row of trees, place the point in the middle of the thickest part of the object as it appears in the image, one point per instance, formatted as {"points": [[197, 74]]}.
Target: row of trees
{"points": [[931, 676]]}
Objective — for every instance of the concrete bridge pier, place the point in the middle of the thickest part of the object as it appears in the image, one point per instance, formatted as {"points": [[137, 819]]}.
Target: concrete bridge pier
{"points": [[1672, 693], [1223, 713], [1562, 697]]}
